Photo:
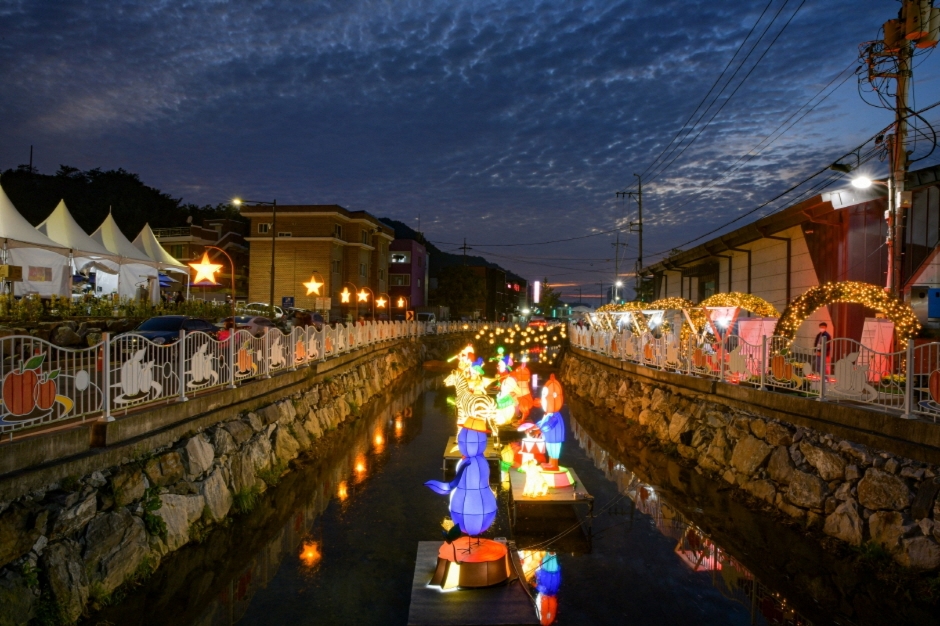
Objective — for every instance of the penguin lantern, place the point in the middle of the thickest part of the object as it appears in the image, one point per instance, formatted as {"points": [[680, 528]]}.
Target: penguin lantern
{"points": [[547, 581], [472, 503]]}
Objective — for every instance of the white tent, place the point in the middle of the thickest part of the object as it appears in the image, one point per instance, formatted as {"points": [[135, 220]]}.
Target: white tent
{"points": [[147, 243], [46, 270], [87, 254], [137, 270]]}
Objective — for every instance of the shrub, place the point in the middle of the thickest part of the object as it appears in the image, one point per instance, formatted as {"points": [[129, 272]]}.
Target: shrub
{"points": [[246, 500], [154, 523]]}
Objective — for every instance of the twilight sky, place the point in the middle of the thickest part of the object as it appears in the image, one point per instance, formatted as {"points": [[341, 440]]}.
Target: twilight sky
{"points": [[503, 122]]}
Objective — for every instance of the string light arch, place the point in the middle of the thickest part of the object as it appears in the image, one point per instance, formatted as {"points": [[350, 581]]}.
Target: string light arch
{"points": [[749, 302], [874, 297]]}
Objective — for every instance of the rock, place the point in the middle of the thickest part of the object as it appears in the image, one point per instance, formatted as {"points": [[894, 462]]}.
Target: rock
{"points": [[852, 472], [313, 428], [65, 336], [97, 480], [92, 338], [239, 430], [258, 452], [20, 526], [40, 544], [243, 474], [830, 465], [301, 409], [165, 469], [844, 523], [806, 490], [67, 581], [761, 489], [912, 472], [285, 446], [718, 448], [301, 436], [921, 553], [179, 512], [678, 425], [749, 454], [17, 601], [217, 495], [128, 485], [892, 465], [924, 499], [223, 442], [886, 528], [881, 490], [793, 511], [796, 455], [254, 420], [282, 411], [780, 466], [759, 428], [197, 456], [843, 492], [115, 545], [66, 521], [702, 436]]}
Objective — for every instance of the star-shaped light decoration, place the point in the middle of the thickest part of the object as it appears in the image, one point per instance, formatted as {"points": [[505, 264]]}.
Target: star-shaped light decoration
{"points": [[313, 287], [205, 269], [380, 302], [363, 295], [401, 303], [344, 295]]}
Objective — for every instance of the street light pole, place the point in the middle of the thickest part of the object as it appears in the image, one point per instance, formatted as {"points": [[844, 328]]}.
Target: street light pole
{"points": [[273, 205]]}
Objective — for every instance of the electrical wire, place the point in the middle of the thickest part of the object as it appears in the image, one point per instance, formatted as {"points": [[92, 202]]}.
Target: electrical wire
{"points": [[728, 99]]}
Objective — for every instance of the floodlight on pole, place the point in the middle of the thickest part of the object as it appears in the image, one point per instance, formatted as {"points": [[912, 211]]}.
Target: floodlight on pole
{"points": [[861, 182]]}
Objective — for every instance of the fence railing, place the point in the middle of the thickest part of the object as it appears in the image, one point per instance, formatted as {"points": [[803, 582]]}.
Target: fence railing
{"points": [[840, 370], [43, 383]]}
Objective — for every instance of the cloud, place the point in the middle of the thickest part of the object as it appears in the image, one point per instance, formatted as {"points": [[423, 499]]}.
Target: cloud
{"points": [[496, 121]]}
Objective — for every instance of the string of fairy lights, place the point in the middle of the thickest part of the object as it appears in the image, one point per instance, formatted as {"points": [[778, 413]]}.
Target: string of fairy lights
{"points": [[520, 340]]}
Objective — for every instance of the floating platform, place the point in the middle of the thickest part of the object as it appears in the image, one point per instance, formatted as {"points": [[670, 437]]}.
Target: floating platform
{"points": [[501, 605], [576, 494], [452, 455]]}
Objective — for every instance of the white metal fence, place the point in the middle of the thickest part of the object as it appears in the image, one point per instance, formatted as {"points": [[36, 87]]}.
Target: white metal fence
{"points": [[43, 383], [841, 370]]}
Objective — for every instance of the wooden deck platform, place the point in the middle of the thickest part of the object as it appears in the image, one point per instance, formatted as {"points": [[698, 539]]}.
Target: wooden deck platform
{"points": [[452, 455], [573, 495], [501, 605]]}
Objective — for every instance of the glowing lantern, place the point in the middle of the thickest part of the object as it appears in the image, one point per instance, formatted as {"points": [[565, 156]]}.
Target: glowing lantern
{"points": [[310, 553], [205, 269], [313, 287], [363, 295], [380, 302], [472, 503], [401, 303], [341, 491], [344, 295]]}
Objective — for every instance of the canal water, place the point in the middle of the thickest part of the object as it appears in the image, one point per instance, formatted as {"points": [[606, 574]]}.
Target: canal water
{"points": [[335, 541]]}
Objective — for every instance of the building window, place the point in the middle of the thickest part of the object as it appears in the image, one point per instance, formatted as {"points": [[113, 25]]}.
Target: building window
{"points": [[337, 231], [366, 237], [362, 270], [283, 234], [399, 280], [401, 257], [264, 227], [337, 268], [177, 251]]}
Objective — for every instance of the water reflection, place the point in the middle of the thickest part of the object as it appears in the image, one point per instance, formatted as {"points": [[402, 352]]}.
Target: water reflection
{"points": [[693, 547]]}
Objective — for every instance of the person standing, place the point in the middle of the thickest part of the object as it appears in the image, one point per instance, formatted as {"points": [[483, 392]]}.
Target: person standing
{"points": [[822, 335]]}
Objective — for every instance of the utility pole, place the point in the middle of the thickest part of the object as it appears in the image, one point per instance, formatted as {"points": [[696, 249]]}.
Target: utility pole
{"points": [[637, 226], [917, 26], [464, 248], [617, 263], [30, 158]]}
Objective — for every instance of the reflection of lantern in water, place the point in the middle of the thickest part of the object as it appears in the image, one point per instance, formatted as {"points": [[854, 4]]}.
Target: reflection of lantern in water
{"points": [[341, 492], [310, 553], [360, 465], [379, 440]]}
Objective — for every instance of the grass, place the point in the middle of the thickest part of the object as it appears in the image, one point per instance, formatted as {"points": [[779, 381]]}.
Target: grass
{"points": [[246, 500], [30, 574], [272, 475], [153, 522]]}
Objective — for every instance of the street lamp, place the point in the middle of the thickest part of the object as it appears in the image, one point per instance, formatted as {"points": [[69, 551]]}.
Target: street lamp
{"points": [[273, 205], [618, 285], [206, 269], [345, 296], [381, 302], [363, 297]]}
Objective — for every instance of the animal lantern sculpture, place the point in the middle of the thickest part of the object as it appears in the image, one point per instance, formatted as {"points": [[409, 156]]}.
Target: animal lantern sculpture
{"points": [[552, 427], [547, 582]]}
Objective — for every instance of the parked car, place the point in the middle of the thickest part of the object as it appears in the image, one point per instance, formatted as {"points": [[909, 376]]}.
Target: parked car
{"points": [[165, 329], [537, 321], [426, 317], [262, 309], [257, 325]]}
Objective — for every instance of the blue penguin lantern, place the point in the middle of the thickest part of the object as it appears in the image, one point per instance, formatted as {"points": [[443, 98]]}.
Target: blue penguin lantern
{"points": [[548, 575], [472, 503]]}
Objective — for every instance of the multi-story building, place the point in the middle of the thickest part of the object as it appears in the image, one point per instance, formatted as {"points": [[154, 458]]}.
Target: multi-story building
{"points": [[408, 272], [188, 243], [345, 250]]}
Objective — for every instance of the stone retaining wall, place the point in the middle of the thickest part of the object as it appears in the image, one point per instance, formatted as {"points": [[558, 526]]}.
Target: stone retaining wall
{"points": [[849, 491], [75, 541]]}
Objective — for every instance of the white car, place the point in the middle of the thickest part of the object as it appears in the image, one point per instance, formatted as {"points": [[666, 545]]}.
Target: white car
{"points": [[261, 308]]}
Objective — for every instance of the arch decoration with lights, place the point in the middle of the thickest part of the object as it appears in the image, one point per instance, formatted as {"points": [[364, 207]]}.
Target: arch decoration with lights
{"points": [[874, 297]]}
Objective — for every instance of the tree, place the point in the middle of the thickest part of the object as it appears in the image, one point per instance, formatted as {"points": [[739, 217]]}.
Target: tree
{"points": [[550, 299], [460, 289]]}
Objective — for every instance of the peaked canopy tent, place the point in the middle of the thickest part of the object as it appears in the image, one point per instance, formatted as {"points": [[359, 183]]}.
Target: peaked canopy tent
{"points": [[137, 271], [46, 269], [86, 253], [147, 243]]}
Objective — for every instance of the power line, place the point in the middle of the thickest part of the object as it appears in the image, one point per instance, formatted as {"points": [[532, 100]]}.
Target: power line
{"points": [[715, 84], [728, 99]]}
